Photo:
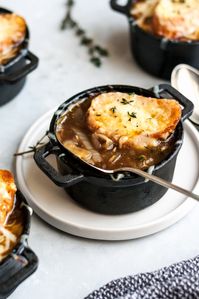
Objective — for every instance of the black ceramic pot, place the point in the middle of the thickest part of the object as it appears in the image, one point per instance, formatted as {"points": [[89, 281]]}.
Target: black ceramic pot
{"points": [[13, 74], [22, 261], [100, 192], [157, 55]]}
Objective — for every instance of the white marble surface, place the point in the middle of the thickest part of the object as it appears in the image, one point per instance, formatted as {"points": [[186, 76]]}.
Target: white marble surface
{"points": [[71, 267]]}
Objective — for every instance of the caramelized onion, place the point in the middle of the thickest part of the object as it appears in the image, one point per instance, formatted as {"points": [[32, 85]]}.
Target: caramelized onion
{"points": [[7, 233], [115, 158], [102, 141], [122, 140], [87, 144], [6, 239], [96, 142], [82, 153]]}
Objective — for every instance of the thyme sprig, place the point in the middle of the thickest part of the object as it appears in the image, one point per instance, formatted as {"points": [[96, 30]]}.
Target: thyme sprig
{"points": [[125, 101], [32, 149], [95, 51], [113, 109], [131, 115]]}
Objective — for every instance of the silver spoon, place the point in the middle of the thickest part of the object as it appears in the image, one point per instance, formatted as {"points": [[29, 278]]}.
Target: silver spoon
{"points": [[150, 177], [186, 79]]}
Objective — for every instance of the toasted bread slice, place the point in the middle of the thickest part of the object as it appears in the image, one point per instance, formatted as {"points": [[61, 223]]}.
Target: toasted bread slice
{"points": [[133, 121], [142, 12], [7, 194], [12, 34], [176, 18]]}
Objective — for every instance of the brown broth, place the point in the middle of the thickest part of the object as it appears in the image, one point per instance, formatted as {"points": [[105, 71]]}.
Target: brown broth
{"points": [[74, 120]]}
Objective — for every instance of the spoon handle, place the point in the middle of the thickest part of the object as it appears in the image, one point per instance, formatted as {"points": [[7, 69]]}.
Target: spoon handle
{"points": [[160, 181]]}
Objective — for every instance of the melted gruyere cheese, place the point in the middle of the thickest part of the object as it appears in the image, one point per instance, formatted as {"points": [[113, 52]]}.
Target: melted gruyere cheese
{"points": [[131, 120], [12, 34], [7, 193], [143, 12], [173, 19], [11, 215]]}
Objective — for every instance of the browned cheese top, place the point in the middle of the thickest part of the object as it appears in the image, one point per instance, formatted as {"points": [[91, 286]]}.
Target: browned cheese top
{"points": [[12, 34], [11, 216], [173, 19]]}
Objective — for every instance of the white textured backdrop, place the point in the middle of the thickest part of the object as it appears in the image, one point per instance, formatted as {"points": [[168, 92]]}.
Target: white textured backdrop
{"points": [[71, 267]]}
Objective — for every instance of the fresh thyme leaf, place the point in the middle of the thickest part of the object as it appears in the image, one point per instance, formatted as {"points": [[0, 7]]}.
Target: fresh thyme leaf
{"points": [[95, 51], [113, 109], [96, 61], [72, 24], [86, 41], [101, 51], [124, 101], [132, 114], [68, 22], [70, 3], [80, 31]]}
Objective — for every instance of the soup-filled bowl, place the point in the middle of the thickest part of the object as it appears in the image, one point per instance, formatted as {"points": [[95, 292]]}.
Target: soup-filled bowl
{"points": [[17, 61], [104, 193], [159, 53]]}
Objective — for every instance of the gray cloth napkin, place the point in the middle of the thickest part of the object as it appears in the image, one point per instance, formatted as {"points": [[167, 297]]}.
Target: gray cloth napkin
{"points": [[178, 281]]}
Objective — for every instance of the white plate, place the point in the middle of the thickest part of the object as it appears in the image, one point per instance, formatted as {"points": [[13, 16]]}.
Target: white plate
{"points": [[53, 205]]}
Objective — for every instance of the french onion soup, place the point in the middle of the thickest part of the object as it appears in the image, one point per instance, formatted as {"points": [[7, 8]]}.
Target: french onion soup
{"points": [[116, 129], [172, 19], [12, 34], [11, 217]]}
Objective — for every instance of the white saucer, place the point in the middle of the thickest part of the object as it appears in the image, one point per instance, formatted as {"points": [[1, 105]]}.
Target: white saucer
{"points": [[53, 205]]}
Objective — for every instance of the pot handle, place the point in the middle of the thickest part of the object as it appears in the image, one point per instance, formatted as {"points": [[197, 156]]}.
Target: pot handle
{"points": [[187, 104], [15, 269], [19, 74], [60, 180], [120, 8]]}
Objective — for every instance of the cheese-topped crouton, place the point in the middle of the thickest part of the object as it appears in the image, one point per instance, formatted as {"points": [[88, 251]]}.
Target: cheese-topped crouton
{"points": [[176, 18], [7, 194], [131, 120], [12, 34]]}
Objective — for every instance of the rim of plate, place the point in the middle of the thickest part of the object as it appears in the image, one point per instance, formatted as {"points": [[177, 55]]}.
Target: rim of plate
{"points": [[163, 222]]}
